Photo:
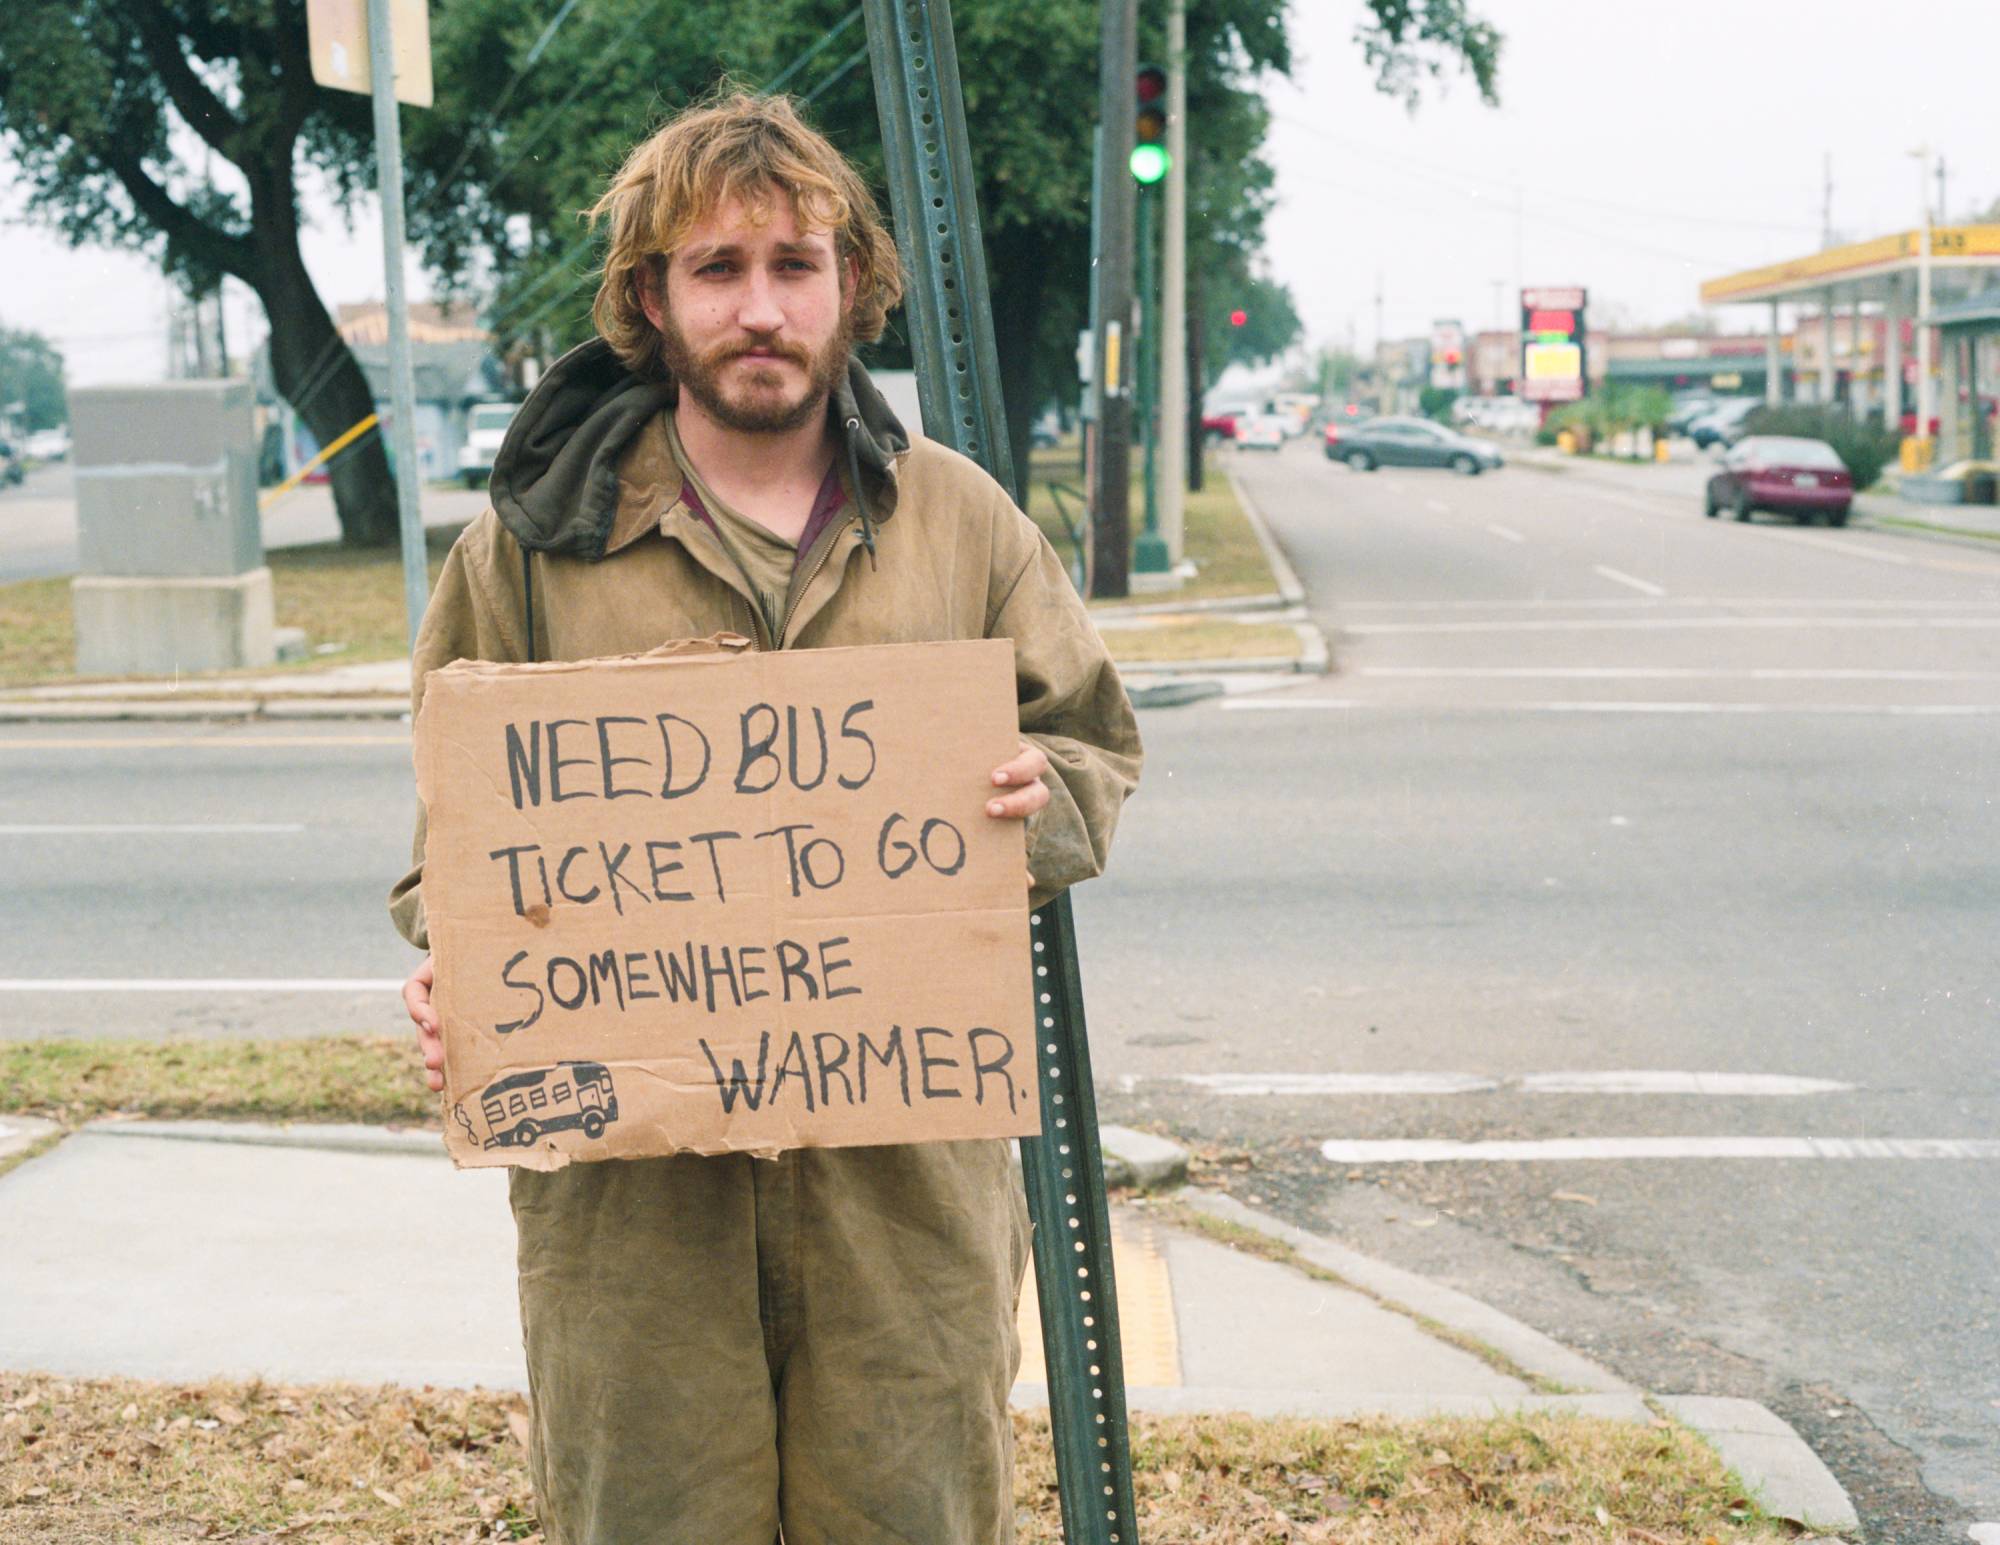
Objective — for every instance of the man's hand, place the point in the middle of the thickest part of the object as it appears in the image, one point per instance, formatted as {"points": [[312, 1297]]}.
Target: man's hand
{"points": [[417, 999], [1024, 776]]}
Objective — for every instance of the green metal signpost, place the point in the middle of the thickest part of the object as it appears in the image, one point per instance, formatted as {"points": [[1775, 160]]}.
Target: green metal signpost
{"points": [[936, 212]]}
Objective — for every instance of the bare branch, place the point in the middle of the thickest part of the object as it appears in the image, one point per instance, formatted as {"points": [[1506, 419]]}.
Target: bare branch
{"points": [[218, 249], [202, 109]]}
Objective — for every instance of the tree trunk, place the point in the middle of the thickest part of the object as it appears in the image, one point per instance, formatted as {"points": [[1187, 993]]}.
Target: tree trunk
{"points": [[316, 372]]}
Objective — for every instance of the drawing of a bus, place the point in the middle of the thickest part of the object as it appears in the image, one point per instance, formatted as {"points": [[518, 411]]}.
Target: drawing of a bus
{"points": [[521, 1107]]}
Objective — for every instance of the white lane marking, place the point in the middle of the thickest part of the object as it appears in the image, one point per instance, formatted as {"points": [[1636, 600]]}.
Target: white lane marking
{"points": [[1634, 706], [1629, 603], [1437, 506], [1620, 577], [185, 742], [1340, 1083], [218, 984], [146, 828], [1852, 549], [1636, 1081], [1656, 673], [1661, 624], [1646, 1081], [1506, 533], [1572, 1149]]}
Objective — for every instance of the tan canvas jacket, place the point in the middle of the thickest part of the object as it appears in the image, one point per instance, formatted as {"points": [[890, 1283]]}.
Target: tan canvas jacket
{"points": [[620, 565]]}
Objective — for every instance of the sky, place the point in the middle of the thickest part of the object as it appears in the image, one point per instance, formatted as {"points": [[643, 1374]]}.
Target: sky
{"points": [[1637, 150]]}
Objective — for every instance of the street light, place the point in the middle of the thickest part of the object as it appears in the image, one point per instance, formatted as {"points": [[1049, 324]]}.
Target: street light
{"points": [[1923, 328]]}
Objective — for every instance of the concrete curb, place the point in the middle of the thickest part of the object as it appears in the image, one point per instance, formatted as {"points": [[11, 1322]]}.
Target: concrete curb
{"points": [[1289, 587], [1140, 1159], [220, 710], [20, 1133], [1787, 1477], [329, 1137], [1188, 1400], [1774, 1463], [1523, 1345]]}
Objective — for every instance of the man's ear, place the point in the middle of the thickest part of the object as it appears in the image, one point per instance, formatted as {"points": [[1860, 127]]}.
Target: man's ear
{"points": [[650, 280]]}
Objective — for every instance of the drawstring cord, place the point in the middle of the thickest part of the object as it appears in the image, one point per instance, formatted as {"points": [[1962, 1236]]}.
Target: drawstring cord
{"points": [[860, 499], [528, 591]]}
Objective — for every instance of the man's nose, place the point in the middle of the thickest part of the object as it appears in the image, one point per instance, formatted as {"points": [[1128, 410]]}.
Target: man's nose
{"points": [[758, 310]]}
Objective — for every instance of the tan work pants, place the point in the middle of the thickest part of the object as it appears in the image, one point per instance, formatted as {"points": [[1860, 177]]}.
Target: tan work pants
{"points": [[721, 1348]]}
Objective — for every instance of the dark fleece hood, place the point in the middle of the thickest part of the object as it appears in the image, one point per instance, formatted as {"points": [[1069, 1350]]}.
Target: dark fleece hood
{"points": [[555, 481]]}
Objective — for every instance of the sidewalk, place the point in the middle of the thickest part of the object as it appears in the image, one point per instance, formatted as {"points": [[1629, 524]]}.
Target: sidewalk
{"points": [[187, 1250]]}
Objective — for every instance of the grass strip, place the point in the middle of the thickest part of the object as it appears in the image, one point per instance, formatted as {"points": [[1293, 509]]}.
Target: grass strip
{"points": [[1197, 638], [344, 596], [1216, 535], [1250, 1241], [118, 1459], [373, 1079], [1926, 525]]}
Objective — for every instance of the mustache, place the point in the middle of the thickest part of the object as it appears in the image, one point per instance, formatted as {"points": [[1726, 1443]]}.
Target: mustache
{"points": [[724, 353]]}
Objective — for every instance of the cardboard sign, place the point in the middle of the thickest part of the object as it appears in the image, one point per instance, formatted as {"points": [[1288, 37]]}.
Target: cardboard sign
{"points": [[710, 899]]}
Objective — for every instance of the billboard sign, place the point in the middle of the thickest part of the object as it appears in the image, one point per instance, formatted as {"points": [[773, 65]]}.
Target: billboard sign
{"points": [[1552, 364], [1448, 355]]}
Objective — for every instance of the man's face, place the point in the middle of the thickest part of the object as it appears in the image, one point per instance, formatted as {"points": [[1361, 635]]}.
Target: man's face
{"points": [[755, 324]]}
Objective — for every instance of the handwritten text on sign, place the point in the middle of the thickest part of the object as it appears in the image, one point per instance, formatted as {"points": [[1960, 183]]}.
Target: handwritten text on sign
{"points": [[715, 900]]}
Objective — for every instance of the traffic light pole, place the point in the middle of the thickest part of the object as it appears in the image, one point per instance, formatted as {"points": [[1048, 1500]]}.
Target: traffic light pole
{"points": [[932, 196], [1149, 555], [1111, 498]]}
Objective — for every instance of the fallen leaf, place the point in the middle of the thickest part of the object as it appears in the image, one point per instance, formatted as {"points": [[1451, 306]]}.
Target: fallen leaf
{"points": [[1573, 1196], [34, 1493], [517, 1423], [386, 1498], [1602, 1516], [230, 1416], [130, 1413]]}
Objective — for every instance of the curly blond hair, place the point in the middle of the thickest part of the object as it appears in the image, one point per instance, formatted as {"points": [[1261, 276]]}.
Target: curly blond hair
{"points": [[733, 145]]}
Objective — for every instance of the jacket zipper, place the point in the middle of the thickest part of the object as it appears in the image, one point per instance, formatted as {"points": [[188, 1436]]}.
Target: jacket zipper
{"points": [[798, 594]]}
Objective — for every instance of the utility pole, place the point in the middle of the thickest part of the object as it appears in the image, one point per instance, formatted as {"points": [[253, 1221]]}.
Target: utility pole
{"points": [[1826, 201], [1943, 207], [402, 382], [1111, 498], [1383, 401], [1173, 298], [1925, 399]]}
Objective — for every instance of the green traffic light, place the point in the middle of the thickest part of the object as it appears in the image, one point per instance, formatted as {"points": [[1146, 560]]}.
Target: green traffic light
{"points": [[1149, 162]]}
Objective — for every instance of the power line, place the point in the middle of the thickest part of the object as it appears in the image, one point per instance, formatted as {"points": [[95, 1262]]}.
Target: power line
{"points": [[491, 116], [798, 64]]}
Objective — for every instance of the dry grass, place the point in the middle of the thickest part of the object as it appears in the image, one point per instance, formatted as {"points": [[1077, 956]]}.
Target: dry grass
{"points": [[376, 1079], [1219, 538], [1201, 638], [104, 1460], [352, 597]]}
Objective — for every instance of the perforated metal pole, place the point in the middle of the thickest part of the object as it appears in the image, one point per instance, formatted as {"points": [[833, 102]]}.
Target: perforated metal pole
{"points": [[932, 194]]}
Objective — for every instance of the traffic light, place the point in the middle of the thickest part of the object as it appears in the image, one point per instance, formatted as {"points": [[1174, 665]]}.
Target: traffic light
{"points": [[1149, 125], [1239, 318]]}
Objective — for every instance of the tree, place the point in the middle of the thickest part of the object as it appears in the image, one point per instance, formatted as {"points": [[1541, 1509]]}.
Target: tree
{"points": [[105, 103], [31, 373], [1270, 325], [515, 148]]}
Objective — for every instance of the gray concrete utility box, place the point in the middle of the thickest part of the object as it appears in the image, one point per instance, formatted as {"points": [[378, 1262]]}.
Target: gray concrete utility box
{"points": [[169, 545]]}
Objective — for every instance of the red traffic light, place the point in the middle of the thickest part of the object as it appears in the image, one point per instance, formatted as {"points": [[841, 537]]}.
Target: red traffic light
{"points": [[1152, 83], [1238, 317]]}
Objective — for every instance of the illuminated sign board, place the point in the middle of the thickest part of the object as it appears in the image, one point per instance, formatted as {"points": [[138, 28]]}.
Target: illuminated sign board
{"points": [[1552, 344]]}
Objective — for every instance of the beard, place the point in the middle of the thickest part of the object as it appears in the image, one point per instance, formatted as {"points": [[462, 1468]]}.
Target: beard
{"points": [[760, 406]]}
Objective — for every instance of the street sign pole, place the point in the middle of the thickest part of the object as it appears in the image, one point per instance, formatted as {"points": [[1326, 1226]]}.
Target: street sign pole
{"points": [[933, 198], [402, 384]]}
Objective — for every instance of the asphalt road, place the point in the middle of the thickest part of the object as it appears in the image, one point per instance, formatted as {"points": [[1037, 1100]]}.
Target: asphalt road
{"points": [[1601, 788]]}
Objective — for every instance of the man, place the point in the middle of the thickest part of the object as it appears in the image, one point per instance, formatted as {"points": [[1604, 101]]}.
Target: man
{"points": [[721, 1348]]}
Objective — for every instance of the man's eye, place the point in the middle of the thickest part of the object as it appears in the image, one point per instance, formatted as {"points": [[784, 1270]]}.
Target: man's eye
{"points": [[717, 267]]}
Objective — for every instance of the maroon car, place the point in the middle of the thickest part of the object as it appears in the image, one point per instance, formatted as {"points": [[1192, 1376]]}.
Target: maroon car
{"points": [[1805, 479]]}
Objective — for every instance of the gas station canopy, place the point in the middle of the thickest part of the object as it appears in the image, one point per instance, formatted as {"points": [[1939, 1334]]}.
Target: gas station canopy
{"points": [[1862, 271]]}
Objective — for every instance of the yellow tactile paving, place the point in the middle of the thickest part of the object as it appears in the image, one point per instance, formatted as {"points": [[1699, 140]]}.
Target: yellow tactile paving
{"points": [[1145, 1309]]}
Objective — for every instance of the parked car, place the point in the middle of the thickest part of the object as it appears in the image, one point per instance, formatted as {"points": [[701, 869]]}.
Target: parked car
{"points": [[1261, 432], [1687, 410], [46, 445], [485, 428], [1219, 426], [1714, 426], [1802, 478], [11, 470], [1408, 442]]}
